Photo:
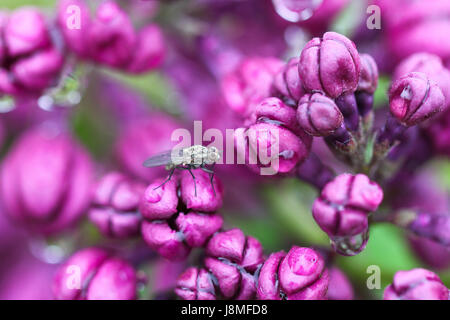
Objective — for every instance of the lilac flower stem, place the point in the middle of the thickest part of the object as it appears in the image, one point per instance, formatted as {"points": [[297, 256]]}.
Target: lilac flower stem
{"points": [[391, 132], [315, 172]]}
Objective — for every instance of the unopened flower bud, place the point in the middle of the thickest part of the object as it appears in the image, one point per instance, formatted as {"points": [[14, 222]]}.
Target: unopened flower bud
{"points": [[340, 287], [298, 275], [115, 206], [414, 98], [287, 82], [342, 211], [45, 180], [94, 274], [250, 83], [416, 284], [318, 115], [330, 64], [429, 64]]}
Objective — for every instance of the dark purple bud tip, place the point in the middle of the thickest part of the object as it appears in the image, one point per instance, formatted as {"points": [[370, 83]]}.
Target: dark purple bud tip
{"points": [[416, 284], [330, 65], [368, 79], [318, 115], [342, 210], [233, 258], [94, 274], [414, 98], [298, 275], [115, 206]]}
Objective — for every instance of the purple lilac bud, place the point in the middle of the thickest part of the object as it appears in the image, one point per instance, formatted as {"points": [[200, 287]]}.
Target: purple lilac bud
{"points": [[114, 208], [414, 98], [287, 82], [368, 82], [232, 259], [109, 37], [416, 284], [318, 115], [418, 28], [29, 60], [94, 274], [196, 284], [368, 78], [250, 83], [330, 65], [429, 64], [342, 211], [176, 219], [340, 287], [150, 50], [432, 226], [141, 139], [45, 180], [298, 275], [439, 133], [275, 123]]}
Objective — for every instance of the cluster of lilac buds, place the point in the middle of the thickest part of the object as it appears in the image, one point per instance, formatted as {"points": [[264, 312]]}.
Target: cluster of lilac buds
{"points": [[109, 37], [231, 263], [31, 56], [180, 214], [95, 274], [354, 128], [416, 284], [342, 211], [115, 205]]}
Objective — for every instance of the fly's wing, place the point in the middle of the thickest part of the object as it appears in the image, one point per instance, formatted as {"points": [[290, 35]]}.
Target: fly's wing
{"points": [[164, 158]]}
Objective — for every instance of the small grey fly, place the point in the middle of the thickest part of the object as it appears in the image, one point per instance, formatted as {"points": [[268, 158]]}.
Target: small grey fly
{"points": [[188, 158]]}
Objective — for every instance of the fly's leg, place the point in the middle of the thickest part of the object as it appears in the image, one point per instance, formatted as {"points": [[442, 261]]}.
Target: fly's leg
{"points": [[211, 177], [193, 177], [167, 180]]}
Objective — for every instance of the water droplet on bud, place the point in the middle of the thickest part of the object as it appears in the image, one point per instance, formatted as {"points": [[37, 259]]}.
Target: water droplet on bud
{"points": [[350, 245], [296, 10]]}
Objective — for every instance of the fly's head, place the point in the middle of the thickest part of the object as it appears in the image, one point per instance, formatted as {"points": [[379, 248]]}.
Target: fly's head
{"points": [[213, 155]]}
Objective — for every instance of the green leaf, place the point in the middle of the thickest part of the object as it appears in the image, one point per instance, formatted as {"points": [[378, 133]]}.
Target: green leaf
{"points": [[380, 98], [388, 249], [154, 86], [290, 203], [349, 18], [14, 4]]}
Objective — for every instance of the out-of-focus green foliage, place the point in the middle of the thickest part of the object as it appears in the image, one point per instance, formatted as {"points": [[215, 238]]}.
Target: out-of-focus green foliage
{"points": [[290, 201], [388, 249], [380, 97], [153, 86], [349, 18], [13, 4]]}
